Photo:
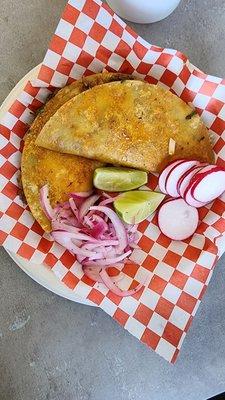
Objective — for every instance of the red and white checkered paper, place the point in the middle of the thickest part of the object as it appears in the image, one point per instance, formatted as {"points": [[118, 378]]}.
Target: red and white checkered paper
{"points": [[91, 37]]}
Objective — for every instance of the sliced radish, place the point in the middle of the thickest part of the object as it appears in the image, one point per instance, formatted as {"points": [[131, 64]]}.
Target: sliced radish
{"points": [[171, 184], [177, 220], [186, 178], [164, 174], [208, 184], [206, 169], [188, 197], [167, 199]]}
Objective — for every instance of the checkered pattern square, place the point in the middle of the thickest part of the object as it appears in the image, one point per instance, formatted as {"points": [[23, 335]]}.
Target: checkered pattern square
{"points": [[90, 37]]}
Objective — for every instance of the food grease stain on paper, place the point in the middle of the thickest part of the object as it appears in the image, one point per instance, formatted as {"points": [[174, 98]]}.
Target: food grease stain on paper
{"points": [[19, 322]]}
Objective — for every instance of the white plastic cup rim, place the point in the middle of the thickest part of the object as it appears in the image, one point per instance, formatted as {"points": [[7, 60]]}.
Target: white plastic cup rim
{"points": [[143, 11]]}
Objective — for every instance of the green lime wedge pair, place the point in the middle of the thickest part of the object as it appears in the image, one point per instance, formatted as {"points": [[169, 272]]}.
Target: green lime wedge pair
{"points": [[132, 206]]}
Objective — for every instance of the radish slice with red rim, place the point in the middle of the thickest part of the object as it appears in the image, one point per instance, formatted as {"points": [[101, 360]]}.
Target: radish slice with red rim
{"points": [[186, 178], [177, 220], [208, 184], [171, 184], [166, 200], [164, 174], [190, 199]]}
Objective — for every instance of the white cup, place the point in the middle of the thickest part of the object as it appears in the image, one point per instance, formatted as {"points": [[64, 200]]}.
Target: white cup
{"points": [[143, 11]]}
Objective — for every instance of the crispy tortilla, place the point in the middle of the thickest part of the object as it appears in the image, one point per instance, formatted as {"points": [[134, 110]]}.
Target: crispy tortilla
{"points": [[128, 124], [62, 172]]}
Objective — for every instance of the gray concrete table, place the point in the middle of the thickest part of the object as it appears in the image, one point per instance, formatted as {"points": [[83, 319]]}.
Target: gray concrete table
{"points": [[67, 351]]}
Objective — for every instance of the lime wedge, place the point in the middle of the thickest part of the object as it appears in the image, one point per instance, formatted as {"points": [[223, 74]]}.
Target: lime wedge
{"points": [[115, 179], [133, 207]]}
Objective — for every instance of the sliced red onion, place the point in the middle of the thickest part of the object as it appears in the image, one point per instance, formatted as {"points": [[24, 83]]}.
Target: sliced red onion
{"points": [[58, 225], [117, 224], [103, 243], [65, 239], [112, 229], [97, 218], [82, 195], [98, 229], [103, 251], [110, 252], [104, 194], [73, 206], [97, 256], [77, 236], [81, 251], [128, 261], [64, 214], [95, 234], [132, 228], [110, 242], [108, 261], [112, 286], [45, 203], [87, 221], [93, 273], [107, 201], [85, 207], [134, 246], [80, 258], [62, 206], [71, 220], [119, 266], [112, 236], [127, 248]]}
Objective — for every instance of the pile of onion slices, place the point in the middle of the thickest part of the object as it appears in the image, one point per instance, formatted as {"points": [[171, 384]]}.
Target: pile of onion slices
{"points": [[88, 227]]}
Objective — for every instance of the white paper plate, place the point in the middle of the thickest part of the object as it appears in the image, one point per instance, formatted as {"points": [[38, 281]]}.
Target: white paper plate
{"points": [[39, 273]]}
